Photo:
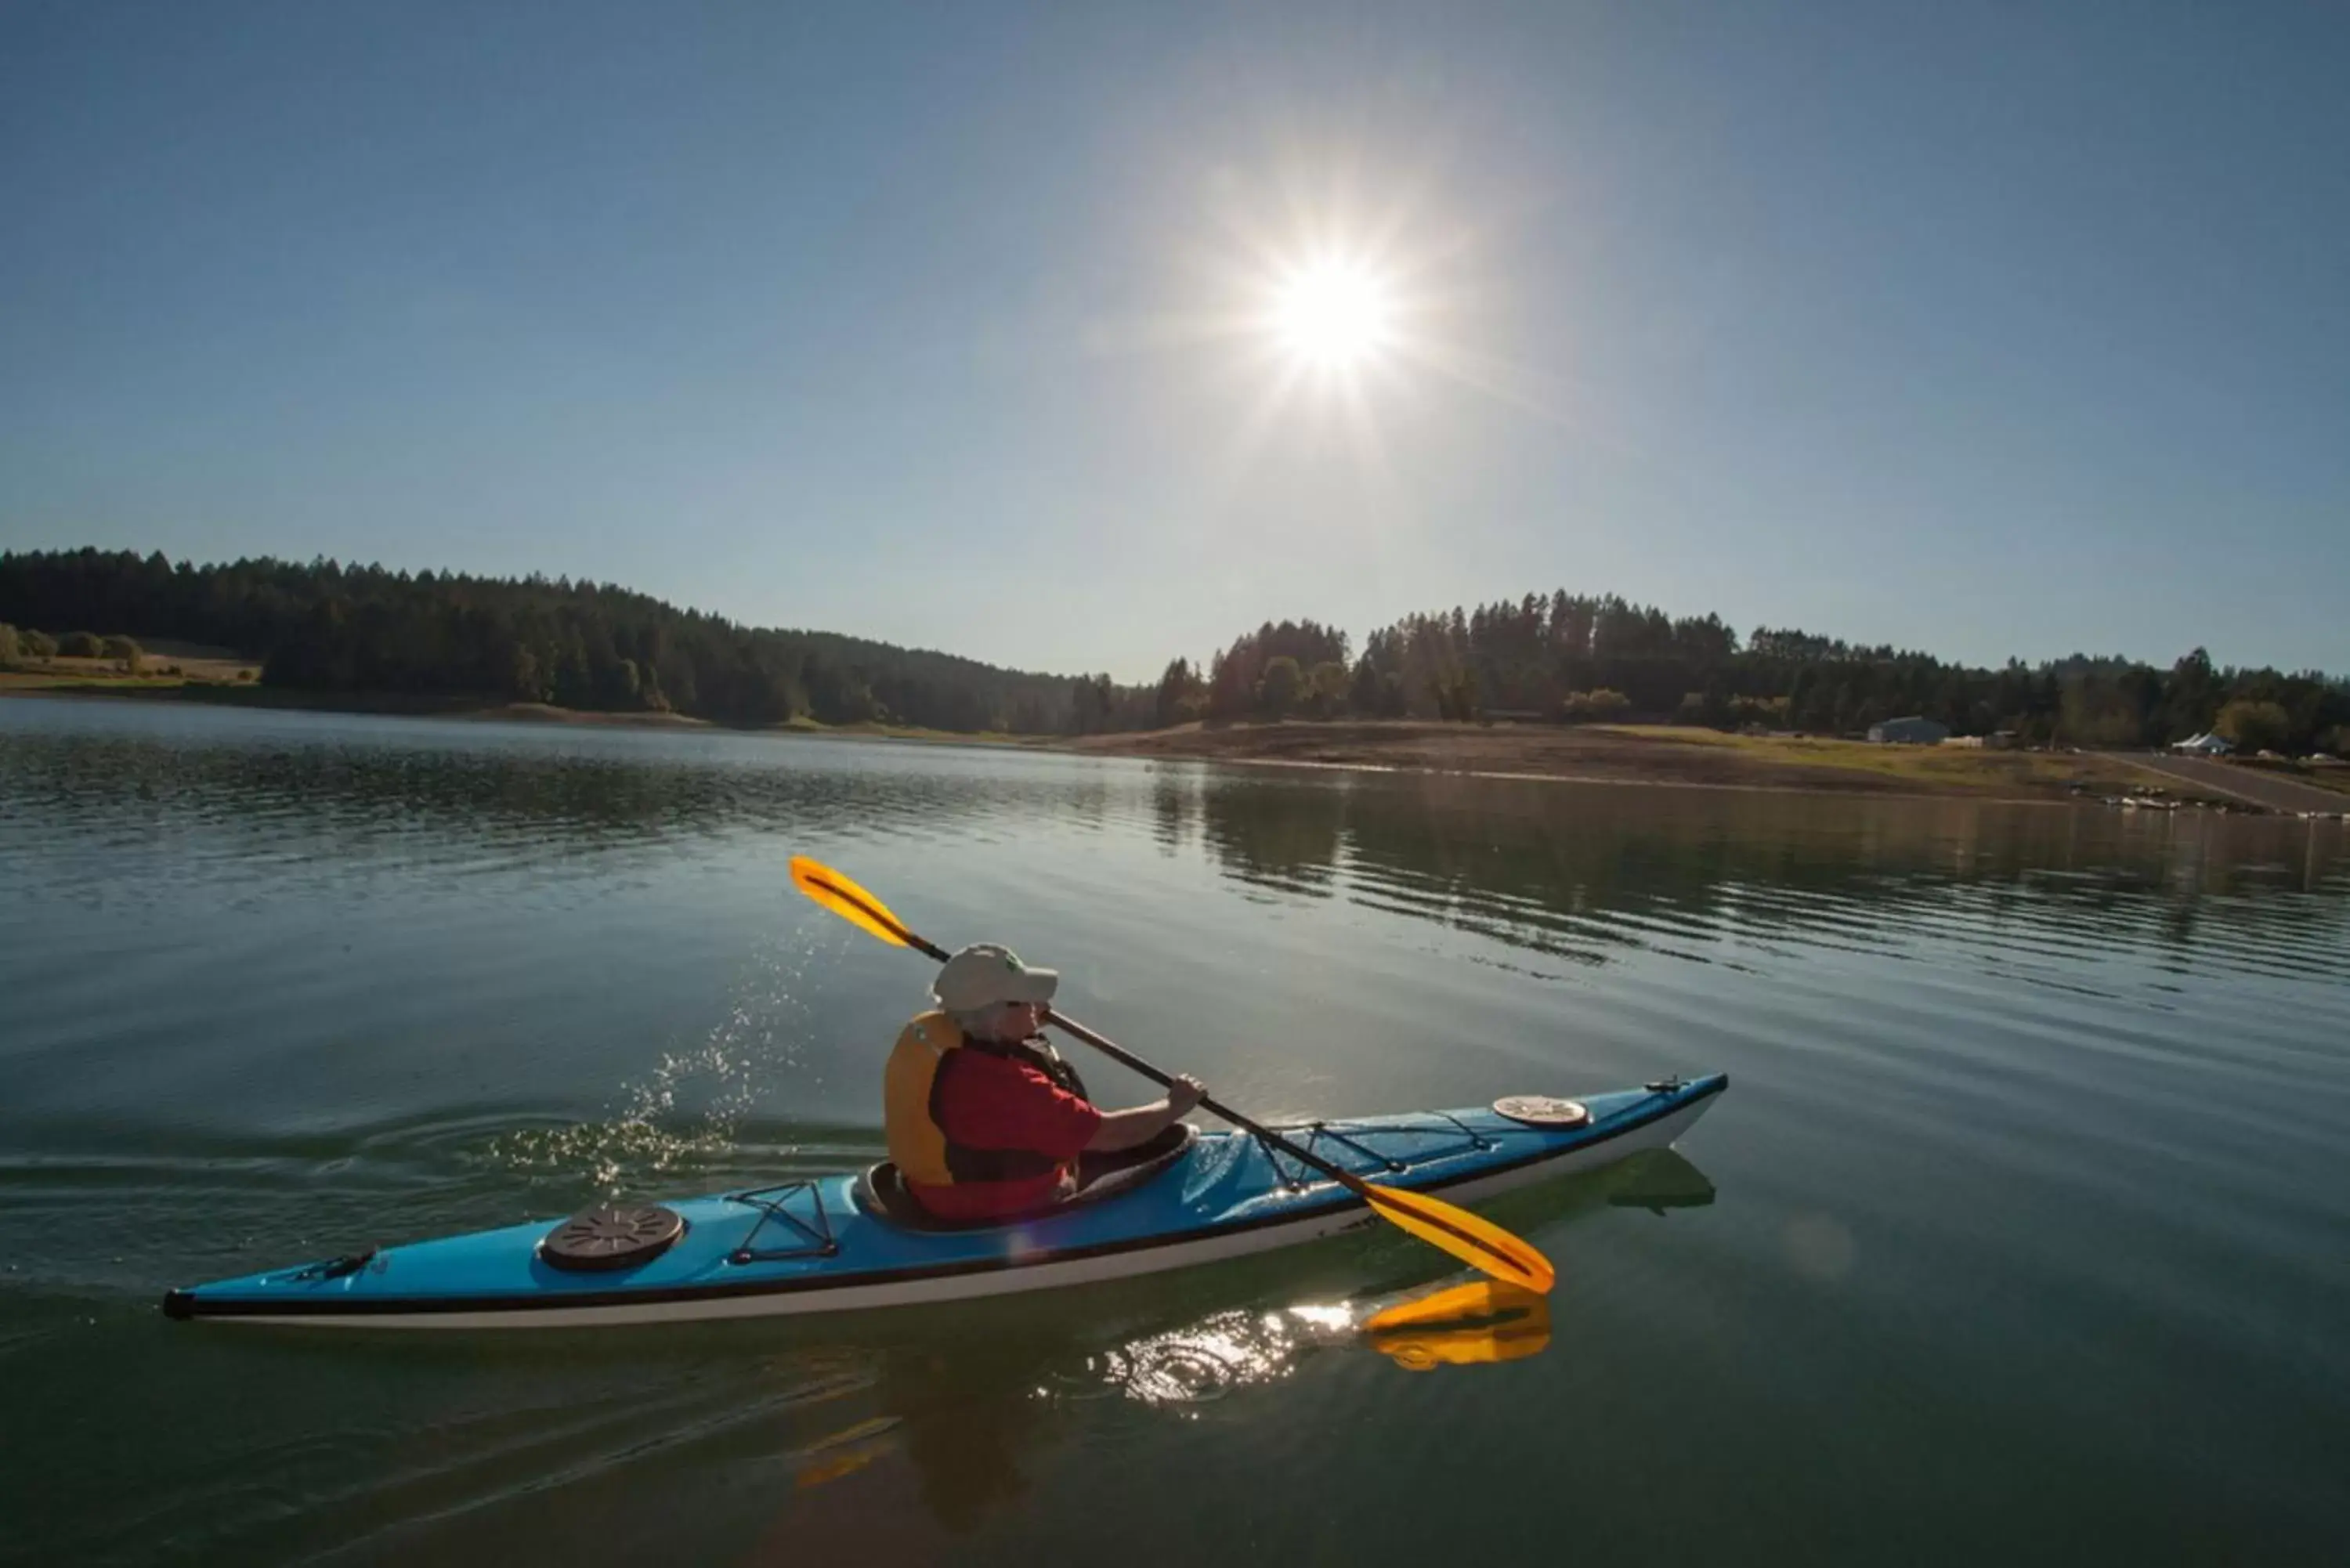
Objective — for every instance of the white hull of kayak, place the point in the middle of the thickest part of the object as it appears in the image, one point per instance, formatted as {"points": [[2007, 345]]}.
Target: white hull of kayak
{"points": [[1124, 1265]]}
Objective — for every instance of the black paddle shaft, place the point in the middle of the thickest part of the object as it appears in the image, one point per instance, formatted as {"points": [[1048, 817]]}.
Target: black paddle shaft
{"points": [[1129, 1060]]}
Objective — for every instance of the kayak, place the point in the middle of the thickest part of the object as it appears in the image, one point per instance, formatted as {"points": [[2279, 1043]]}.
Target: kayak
{"points": [[852, 1242]]}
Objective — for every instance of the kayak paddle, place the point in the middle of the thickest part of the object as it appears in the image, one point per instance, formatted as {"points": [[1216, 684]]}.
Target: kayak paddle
{"points": [[1480, 1244]]}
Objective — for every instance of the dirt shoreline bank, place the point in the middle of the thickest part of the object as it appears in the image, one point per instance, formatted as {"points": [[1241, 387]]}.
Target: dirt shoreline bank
{"points": [[1646, 754]]}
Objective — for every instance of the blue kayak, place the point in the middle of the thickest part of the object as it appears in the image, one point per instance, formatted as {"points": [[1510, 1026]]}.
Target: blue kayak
{"points": [[851, 1242]]}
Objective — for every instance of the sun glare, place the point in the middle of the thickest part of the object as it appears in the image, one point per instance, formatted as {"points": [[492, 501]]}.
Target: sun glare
{"points": [[1334, 314], [1339, 307]]}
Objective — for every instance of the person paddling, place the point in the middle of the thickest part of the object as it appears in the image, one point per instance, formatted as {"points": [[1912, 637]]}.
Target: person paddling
{"points": [[984, 1119]]}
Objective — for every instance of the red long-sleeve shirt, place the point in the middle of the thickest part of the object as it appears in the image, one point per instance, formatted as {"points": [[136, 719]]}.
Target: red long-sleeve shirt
{"points": [[985, 1101]]}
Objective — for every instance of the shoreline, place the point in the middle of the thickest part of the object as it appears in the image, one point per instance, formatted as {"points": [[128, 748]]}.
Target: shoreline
{"points": [[1395, 770], [1657, 756], [2235, 805]]}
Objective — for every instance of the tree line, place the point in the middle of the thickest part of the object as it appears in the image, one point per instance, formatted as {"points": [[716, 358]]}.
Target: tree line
{"points": [[1563, 658], [329, 628]]}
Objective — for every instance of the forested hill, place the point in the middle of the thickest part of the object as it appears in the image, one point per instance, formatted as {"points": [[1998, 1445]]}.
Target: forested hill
{"points": [[334, 628], [325, 628], [1565, 657]]}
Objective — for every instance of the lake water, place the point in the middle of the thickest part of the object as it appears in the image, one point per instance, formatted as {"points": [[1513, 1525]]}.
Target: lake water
{"points": [[2028, 1239]]}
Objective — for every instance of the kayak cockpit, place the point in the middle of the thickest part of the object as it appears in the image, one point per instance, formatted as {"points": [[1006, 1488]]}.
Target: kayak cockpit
{"points": [[881, 1190]]}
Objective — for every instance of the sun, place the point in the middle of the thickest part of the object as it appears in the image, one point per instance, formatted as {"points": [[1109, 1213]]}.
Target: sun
{"points": [[1334, 314], [1334, 310]]}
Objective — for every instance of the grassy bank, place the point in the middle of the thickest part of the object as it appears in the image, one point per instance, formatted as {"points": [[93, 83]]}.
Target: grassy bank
{"points": [[162, 667]]}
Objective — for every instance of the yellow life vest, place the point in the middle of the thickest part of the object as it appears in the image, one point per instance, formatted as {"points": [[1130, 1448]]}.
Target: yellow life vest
{"points": [[918, 1147]]}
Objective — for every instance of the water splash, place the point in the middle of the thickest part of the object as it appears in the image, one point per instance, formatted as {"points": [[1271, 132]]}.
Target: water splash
{"points": [[687, 1113]]}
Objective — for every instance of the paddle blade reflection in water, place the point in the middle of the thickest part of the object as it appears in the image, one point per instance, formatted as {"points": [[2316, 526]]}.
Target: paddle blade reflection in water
{"points": [[845, 1452], [1477, 1324]]}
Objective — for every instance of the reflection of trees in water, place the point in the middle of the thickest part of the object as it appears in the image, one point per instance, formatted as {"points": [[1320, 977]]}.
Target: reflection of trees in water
{"points": [[1277, 833], [427, 800], [1579, 871], [1174, 807]]}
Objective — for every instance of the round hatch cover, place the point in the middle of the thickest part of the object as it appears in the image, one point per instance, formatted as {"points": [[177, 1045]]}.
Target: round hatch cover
{"points": [[1543, 1111], [612, 1238]]}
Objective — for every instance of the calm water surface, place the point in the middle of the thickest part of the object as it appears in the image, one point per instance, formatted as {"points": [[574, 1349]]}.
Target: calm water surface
{"points": [[2028, 1236]]}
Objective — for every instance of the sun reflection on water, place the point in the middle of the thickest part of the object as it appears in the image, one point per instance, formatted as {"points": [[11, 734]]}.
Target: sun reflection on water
{"points": [[1457, 1324], [1211, 1358]]}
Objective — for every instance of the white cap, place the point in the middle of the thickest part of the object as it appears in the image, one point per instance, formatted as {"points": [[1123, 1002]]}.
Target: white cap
{"points": [[986, 973]]}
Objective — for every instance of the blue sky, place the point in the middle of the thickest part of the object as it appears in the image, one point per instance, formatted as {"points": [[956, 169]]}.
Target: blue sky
{"points": [[1984, 328]]}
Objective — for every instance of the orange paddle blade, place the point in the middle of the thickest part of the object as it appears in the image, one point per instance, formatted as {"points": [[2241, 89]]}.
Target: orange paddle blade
{"points": [[850, 901], [1480, 1244]]}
